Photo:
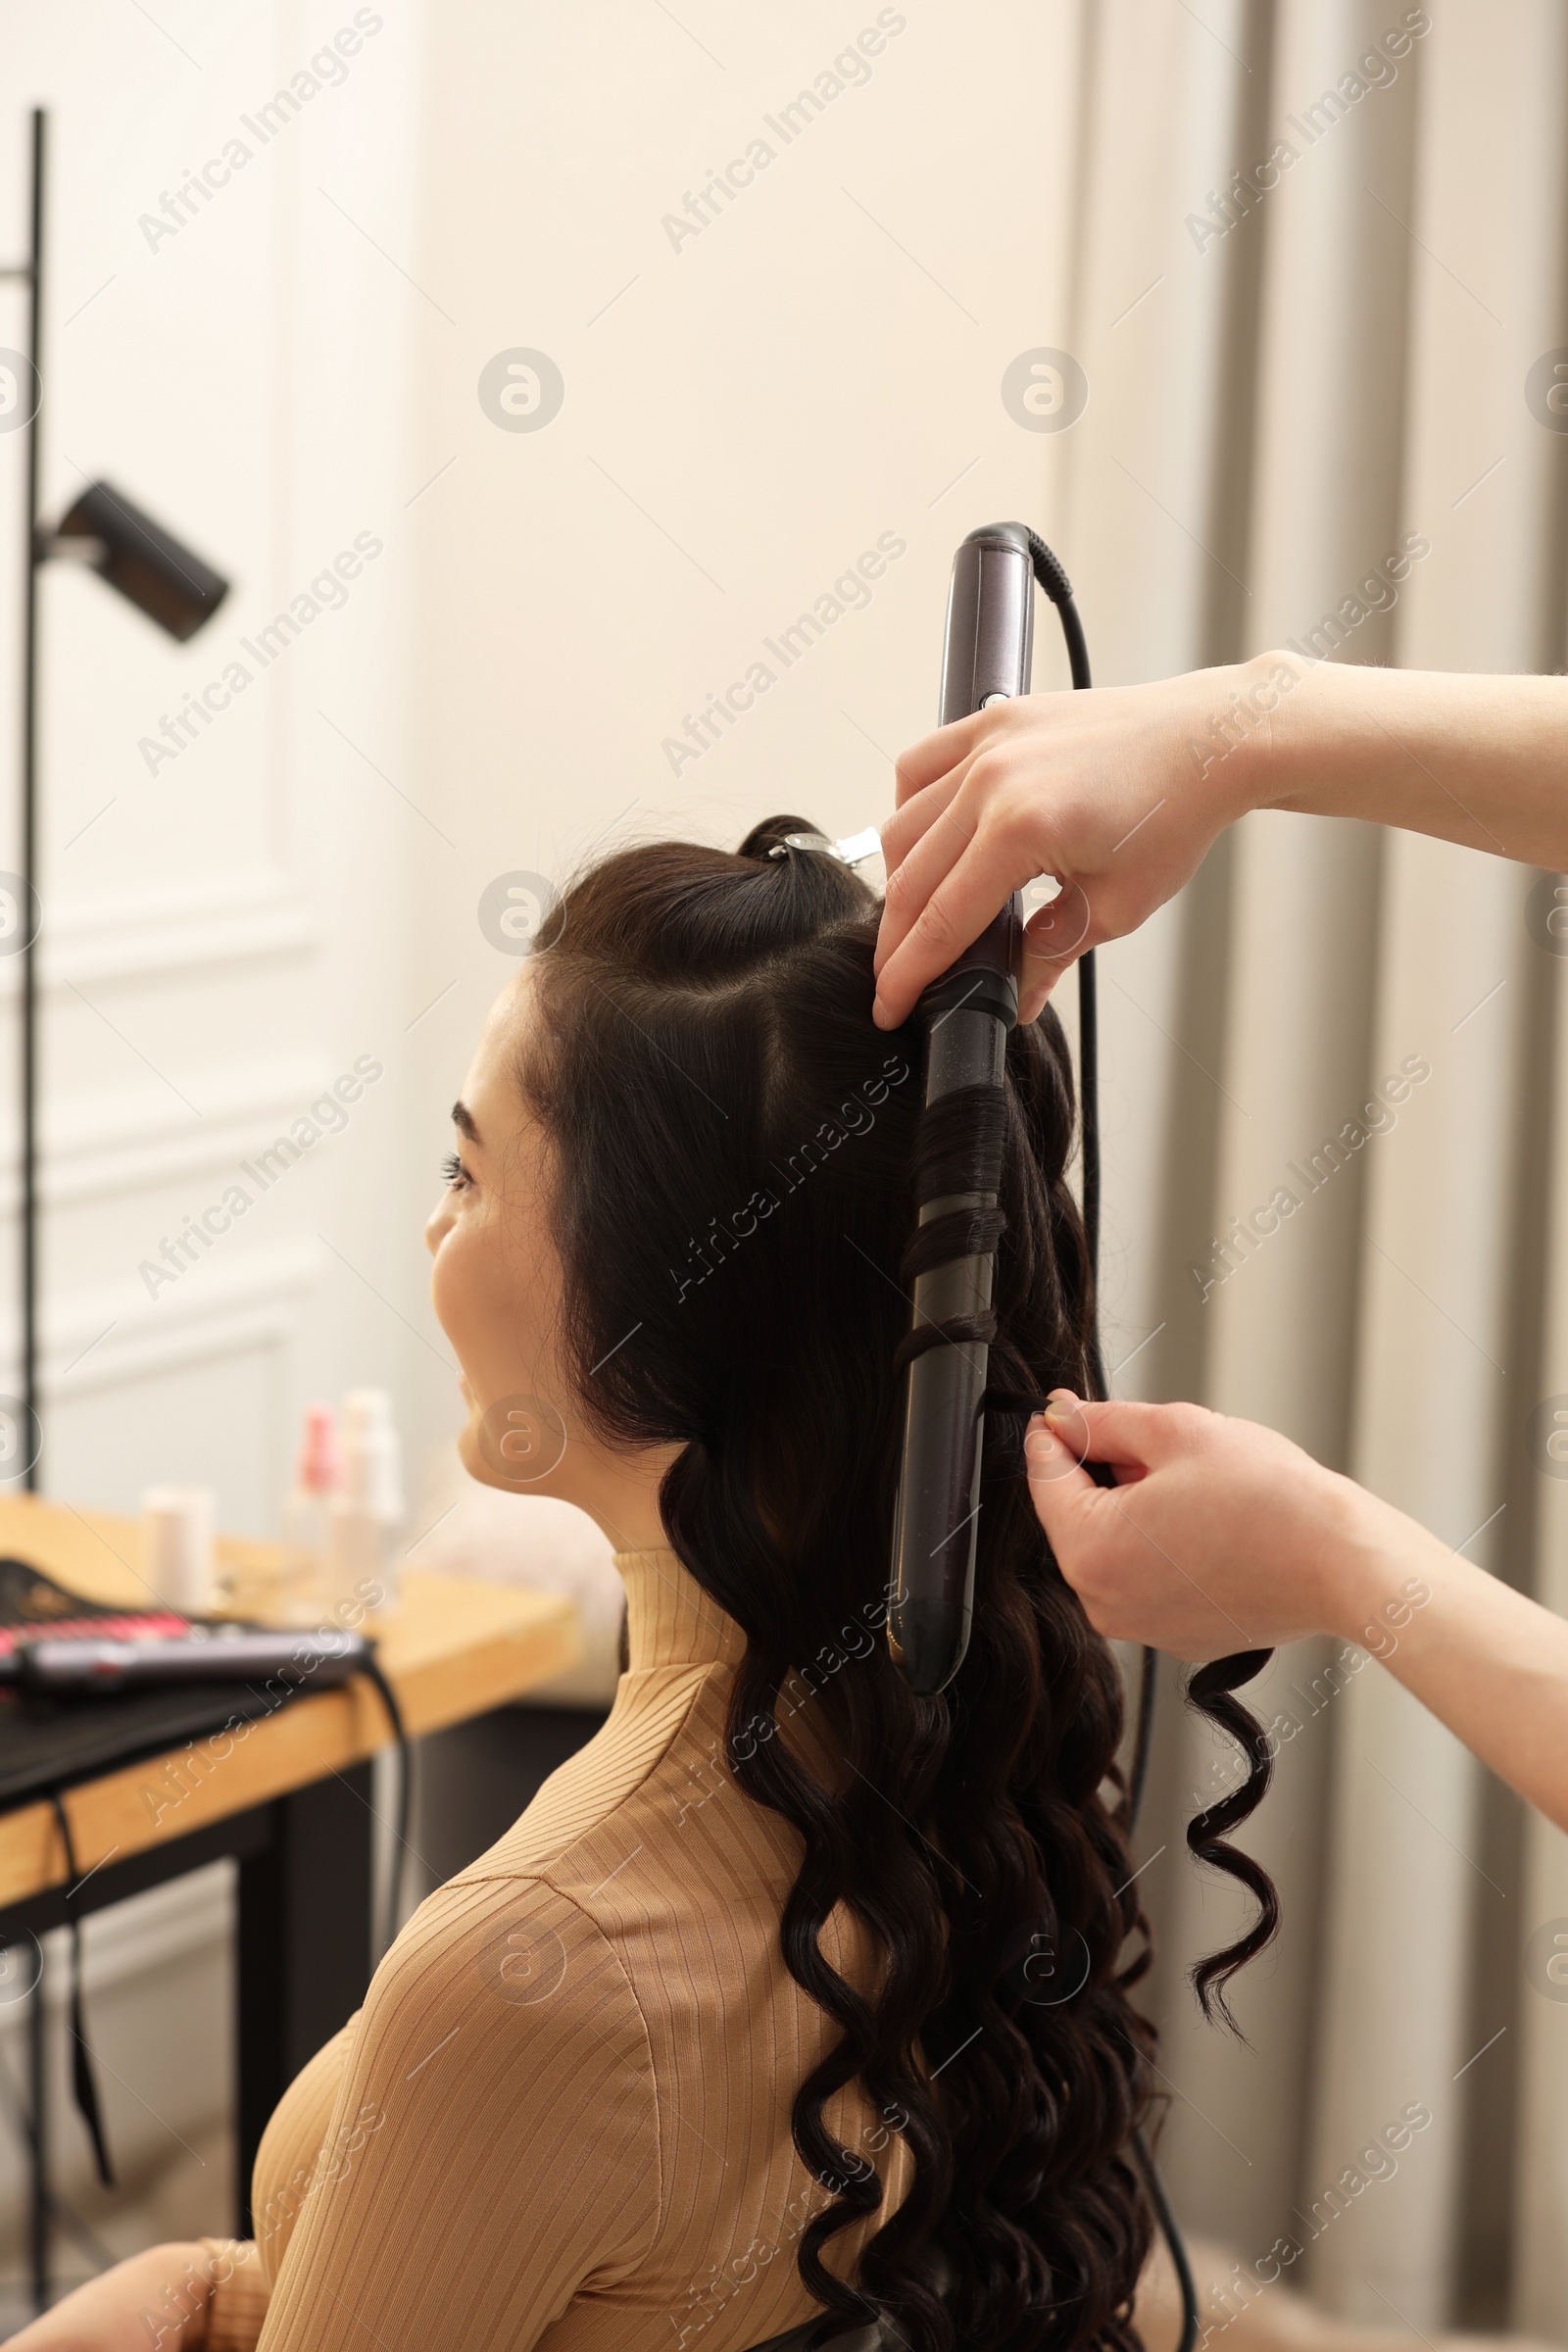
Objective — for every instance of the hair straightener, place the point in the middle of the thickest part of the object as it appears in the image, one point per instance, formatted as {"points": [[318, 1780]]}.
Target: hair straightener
{"points": [[964, 1017], [75, 1664], [63, 1652], [88, 1666]]}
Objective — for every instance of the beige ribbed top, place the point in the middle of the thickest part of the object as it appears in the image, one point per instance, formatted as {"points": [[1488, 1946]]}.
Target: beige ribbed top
{"points": [[563, 2115]]}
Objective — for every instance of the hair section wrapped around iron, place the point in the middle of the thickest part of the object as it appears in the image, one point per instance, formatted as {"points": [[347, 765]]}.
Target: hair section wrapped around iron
{"points": [[958, 1149]]}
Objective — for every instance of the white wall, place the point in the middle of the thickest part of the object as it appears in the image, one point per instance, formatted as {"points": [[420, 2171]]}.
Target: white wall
{"points": [[747, 410], [222, 935], [225, 932]]}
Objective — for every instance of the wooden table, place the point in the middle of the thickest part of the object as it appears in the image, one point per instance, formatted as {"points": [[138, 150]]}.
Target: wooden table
{"points": [[290, 1801]]}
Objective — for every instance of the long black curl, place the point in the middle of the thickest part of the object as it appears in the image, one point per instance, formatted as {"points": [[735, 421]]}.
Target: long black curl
{"points": [[1209, 1690]]}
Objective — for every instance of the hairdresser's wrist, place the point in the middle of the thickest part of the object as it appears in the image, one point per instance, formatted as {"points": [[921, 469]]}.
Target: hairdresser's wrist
{"points": [[1287, 755], [1378, 1565], [1331, 744]]}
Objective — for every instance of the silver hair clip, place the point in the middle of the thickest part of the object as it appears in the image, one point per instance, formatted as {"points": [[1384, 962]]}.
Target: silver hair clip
{"points": [[854, 849]]}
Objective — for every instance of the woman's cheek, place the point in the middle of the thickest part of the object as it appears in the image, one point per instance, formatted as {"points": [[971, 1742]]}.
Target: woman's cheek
{"points": [[447, 1284], [468, 1452], [468, 1298], [492, 1297]]}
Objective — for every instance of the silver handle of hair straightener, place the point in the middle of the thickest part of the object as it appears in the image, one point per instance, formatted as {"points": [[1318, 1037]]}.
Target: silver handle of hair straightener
{"points": [[965, 1015]]}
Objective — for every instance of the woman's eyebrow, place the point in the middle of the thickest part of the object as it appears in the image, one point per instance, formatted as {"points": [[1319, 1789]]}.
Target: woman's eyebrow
{"points": [[463, 1121]]}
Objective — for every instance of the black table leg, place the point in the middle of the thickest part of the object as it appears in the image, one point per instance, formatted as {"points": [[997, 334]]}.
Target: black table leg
{"points": [[303, 1946], [38, 2109]]}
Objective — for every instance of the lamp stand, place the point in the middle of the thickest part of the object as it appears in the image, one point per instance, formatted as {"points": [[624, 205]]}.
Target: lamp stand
{"points": [[33, 1435], [30, 273]]}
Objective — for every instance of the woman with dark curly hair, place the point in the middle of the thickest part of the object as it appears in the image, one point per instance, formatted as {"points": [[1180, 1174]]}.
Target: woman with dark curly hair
{"points": [[793, 1998]]}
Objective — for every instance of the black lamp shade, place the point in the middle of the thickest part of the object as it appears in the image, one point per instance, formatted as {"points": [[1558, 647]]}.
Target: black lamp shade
{"points": [[160, 577]]}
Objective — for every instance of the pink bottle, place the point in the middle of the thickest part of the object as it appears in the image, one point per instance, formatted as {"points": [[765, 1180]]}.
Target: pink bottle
{"points": [[307, 1512]]}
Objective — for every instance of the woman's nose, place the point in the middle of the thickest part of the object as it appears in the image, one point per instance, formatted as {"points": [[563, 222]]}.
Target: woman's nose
{"points": [[435, 1226]]}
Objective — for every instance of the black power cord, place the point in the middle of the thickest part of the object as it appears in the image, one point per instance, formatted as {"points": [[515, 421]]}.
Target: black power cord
{"points": [[83, 2081], [374, 1672], [1054, 580]]}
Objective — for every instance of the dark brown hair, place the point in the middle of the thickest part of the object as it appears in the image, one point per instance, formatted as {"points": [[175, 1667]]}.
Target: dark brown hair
{"points": [[735, 1141]]}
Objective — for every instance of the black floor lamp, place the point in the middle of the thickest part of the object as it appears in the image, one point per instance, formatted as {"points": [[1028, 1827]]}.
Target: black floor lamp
{"points": [[161, 579], [179, 591]]}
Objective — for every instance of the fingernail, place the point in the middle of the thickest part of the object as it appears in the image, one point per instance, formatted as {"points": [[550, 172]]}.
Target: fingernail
{"points": [[880, 1013], [1059, 1404], [1040, 1446]]}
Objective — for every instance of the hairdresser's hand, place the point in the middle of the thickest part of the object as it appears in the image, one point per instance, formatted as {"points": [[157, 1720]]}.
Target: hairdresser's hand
{"points": [[1117, 791], [1218, 1534], [157, 2297]]}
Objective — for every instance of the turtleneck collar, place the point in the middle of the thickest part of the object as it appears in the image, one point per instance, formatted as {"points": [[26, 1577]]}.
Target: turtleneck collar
{"points": [[671, 1620]]}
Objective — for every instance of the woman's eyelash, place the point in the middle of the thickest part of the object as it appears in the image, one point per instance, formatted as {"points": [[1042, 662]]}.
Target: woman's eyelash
{"points": [[453, 1169]]}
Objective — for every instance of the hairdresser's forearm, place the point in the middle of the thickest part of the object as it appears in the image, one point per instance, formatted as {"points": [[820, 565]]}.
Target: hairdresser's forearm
{"points": [[152, 2302], [1475, 758], [1484, 1659]]}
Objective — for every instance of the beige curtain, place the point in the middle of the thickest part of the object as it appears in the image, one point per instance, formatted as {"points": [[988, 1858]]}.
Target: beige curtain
{"points": [[1309, 422]]}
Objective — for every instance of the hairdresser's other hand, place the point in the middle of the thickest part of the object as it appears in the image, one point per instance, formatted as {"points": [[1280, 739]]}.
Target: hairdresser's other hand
{"points": [[1218, 1536], [1117, 791], [162, 2296]]}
